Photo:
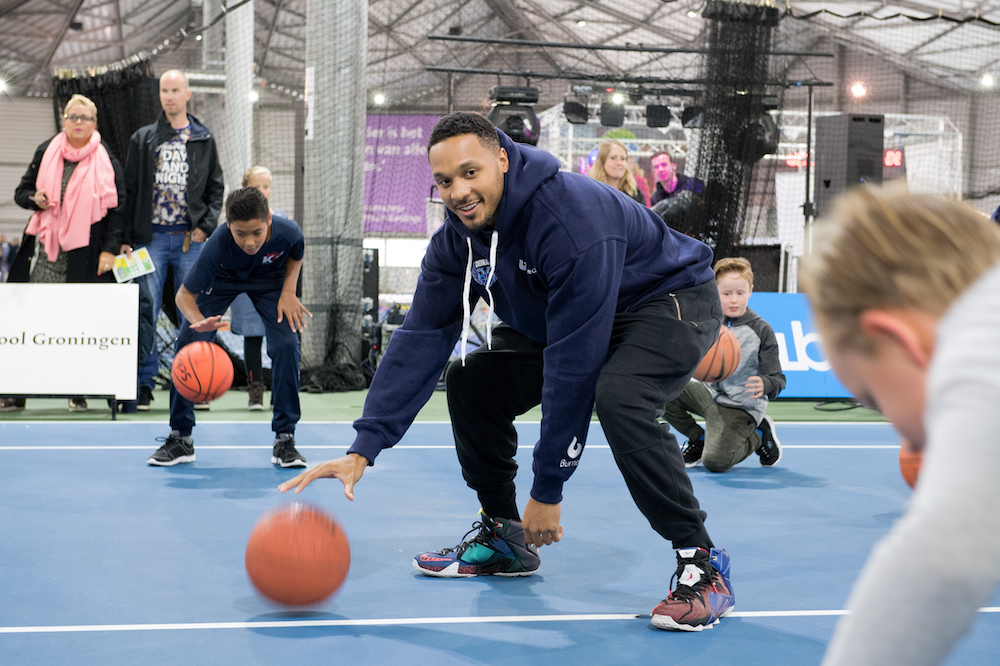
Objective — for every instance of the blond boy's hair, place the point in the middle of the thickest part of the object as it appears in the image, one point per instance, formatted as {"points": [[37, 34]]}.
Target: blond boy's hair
{"points": [[886, 248], [737, 265], [253, 171]]}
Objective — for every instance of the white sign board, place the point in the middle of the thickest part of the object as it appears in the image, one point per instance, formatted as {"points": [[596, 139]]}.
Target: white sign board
{"points": [[69, 339]]}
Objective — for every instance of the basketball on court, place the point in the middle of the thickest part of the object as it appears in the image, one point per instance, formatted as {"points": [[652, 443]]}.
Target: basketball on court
{"points": [[721, 359], [297, 555], [202, 371]]}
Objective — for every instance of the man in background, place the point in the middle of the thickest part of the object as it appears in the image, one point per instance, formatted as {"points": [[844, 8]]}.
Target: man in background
{"points": [[670, 183], [173, 181]]}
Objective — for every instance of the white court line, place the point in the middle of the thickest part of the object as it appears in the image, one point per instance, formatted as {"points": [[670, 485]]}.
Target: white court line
{"points": [[392, 622]]}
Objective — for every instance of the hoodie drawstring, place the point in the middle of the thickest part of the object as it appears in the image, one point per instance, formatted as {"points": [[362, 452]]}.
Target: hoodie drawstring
{"points": [[466, 292]]}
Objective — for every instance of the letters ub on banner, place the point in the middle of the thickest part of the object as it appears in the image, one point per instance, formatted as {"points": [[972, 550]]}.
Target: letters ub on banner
{"points": [[802, 358], [69, 339], [397, 177]]}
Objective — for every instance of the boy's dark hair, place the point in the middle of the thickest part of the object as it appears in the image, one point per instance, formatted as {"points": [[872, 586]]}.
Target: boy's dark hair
{"points": [[462, 122], [661, 152], [245, 204]]}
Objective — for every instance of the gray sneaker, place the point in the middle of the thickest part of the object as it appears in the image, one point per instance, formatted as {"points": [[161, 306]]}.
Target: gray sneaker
{"points": [[256, 401], [285, 454]]}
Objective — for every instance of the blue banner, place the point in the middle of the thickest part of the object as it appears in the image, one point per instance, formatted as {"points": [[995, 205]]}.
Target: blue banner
{"points": [[802, 358]]}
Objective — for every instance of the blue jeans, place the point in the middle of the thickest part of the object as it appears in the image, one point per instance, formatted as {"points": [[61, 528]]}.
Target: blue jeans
{"points": [[165, 250]]}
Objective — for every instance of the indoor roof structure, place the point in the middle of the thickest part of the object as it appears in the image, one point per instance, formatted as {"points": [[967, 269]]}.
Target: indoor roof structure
{"points": [[950, 43]]}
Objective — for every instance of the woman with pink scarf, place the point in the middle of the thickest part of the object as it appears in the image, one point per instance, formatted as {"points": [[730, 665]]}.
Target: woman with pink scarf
{"points": [[76, 187]]}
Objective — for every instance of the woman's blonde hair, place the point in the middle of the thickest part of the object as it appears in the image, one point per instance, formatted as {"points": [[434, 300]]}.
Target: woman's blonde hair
{"points": [[80, 99], [627, 182], [253, 171], [885, 248]]}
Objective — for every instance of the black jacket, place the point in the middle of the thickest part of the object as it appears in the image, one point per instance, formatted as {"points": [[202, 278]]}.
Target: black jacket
{"points": [[105, 235], [204, 183]]}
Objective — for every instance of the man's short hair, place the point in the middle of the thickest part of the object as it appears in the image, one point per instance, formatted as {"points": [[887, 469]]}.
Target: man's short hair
{"points": [[661, 152], [245, 204], [737, 265], [462, 122]]}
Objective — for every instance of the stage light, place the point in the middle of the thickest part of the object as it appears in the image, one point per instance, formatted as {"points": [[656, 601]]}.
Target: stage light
{"points": [[3, 86], [518, 122], [692, 13], [618, 98], [254, 96], [612, 115], [581, 23], [693, 117], [379, 99], [858, 90], [657, 115], [987, 80], [576, 112]]}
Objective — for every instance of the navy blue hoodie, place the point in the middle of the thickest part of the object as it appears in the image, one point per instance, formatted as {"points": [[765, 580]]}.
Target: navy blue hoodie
{"points": [[572, 253]]}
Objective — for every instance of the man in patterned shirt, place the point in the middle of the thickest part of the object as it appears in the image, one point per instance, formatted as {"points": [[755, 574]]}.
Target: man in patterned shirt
{"points": [[174, 190]]}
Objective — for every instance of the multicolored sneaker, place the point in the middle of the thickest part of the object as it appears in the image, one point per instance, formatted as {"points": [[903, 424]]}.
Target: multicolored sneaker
{"points": [[703, 594], [499, 549]]}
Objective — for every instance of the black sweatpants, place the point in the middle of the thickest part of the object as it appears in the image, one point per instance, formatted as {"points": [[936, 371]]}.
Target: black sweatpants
{"points": [[652, 354]]}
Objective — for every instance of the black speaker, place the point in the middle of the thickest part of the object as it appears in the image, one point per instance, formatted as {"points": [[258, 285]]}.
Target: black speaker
{"points": [[612, 115], [369, 277], [657, 115], [848, 153]]}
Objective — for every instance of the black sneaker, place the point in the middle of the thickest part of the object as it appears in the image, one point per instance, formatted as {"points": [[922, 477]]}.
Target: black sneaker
{"points": [[176, 450], [499, 549], [692, 452], [145, 397], [285, 454], [770, 448], [256, 400]]}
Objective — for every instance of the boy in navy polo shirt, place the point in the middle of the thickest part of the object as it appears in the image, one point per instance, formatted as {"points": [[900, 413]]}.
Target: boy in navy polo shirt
{"points": [[260, 256]]}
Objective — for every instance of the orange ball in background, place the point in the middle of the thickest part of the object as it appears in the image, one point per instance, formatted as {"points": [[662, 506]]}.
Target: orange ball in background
{"points": [[297, 555], [909, 463], [721, 359], [201, 371]]}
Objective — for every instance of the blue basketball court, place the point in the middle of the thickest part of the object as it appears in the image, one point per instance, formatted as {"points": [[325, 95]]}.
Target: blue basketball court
{"points": [[108, 561]]}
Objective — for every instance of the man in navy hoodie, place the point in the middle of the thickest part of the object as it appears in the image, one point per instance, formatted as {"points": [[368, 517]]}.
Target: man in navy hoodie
{"points": [[600, 301]]}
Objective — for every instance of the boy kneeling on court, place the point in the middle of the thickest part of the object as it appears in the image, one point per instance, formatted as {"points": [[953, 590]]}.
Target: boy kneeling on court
{"points": [[735, 422], [254, 255]]}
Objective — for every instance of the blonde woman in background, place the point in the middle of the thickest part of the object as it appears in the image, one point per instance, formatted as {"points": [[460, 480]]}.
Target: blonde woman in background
{"points": [[75, 187], [611, 167]]}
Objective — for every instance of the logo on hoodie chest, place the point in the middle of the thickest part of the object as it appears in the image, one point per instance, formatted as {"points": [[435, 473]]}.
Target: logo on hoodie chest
{"points": [[481, 272]]}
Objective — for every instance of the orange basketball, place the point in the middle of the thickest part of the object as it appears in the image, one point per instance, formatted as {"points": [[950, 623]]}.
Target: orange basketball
{"points": [[909, 464], [297, 555], [721, 359], [202, 371]]}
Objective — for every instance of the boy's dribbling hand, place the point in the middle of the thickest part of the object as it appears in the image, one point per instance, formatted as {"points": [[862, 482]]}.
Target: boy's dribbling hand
{"points": [[348, 469], [210, 324], [290, 307]]}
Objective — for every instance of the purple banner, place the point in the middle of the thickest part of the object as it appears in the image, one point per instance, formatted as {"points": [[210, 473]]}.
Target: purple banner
{"points": [[397, 177]]}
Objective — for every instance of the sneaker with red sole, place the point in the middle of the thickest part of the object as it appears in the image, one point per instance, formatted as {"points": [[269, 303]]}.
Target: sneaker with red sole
{"points": [[703, 594], [499, 549]]}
